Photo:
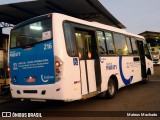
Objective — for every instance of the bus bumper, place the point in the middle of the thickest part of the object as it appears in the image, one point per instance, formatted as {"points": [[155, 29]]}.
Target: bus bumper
{"points": [[55, 91]]}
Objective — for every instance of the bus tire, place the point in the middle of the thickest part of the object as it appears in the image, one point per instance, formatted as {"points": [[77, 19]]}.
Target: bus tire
{"points": [[111, 92]]}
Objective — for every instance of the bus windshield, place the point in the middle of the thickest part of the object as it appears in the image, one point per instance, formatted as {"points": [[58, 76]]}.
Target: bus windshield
{"points": [[31, 33]]}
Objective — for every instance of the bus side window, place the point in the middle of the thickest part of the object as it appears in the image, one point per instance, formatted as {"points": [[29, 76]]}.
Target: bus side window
{"points": [[80, 45], [146, 51], [101, 43], [129, 45], [88, 45], [70, 43], [109, 41], [120, 44], [134, 46]]}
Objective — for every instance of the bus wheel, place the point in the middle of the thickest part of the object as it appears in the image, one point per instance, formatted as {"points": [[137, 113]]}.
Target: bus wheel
{"points": [[111, 89]]}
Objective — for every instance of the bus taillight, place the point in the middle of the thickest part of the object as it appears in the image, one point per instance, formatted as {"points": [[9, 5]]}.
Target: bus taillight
{"points": [[58, 70], [8, 70], [58, 64]]}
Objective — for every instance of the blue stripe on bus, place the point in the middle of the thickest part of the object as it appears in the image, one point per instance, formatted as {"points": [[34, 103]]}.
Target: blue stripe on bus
{"points": [[125, 81]]}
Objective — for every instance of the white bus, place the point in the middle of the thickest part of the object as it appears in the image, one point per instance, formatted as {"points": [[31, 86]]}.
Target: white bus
{"points": [[58, 57]]}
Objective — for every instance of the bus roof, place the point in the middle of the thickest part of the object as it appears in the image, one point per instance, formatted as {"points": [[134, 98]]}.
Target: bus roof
{"points": [[96, 24]]}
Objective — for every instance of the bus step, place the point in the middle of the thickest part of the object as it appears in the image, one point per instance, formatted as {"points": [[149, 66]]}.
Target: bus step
{"points": [[90, 95]]}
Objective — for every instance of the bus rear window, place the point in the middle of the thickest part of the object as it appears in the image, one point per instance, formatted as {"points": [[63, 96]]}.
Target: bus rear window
{"points": [[31, 33]]}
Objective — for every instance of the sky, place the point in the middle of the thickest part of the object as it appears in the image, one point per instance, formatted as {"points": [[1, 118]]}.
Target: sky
{"points": [[137, 15]]}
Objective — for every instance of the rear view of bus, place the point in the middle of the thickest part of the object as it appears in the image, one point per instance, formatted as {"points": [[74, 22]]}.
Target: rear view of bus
{"points": [[32, 58], [59, 57]]}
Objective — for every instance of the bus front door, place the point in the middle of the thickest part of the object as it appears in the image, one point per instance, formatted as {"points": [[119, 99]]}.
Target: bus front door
{"points": [[89, 61], [142, 58]]}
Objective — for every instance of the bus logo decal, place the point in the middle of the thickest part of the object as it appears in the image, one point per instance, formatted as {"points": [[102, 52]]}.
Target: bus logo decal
{"points": [[125, 81], [109, 66], [15, 54], [42, 78], [46, 78], [15, 67], [75, 61]]}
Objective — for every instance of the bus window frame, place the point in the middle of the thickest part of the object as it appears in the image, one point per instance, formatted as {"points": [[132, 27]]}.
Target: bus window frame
{"points": [[76, 55], [104, 43], [27, 22], [125, 42], [78, 26], [130, 54], [135, 39], [113, 43], [95, 29]]}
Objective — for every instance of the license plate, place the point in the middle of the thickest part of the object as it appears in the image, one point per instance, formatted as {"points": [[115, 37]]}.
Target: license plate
{"points": [[30, 79]]}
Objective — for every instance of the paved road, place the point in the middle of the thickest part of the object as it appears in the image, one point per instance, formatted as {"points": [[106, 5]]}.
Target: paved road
{"points": [[137, 97], [156, 76]]}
